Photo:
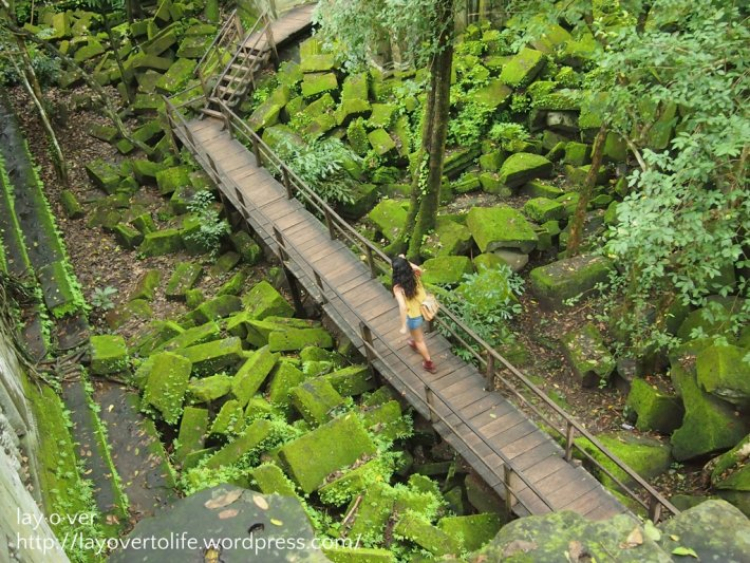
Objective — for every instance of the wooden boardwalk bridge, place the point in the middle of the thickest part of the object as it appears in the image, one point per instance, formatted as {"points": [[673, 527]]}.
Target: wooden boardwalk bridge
{"points": [[523, 464]]}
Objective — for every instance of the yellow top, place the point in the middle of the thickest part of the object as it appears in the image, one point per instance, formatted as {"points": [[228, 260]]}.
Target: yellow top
{"points": [[412, 305]]}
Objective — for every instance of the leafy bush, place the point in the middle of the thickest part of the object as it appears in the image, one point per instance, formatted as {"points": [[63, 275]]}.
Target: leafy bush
{"points": [[320, 164], [509, 135], [471, 123], [101, 298], [212, 228]]}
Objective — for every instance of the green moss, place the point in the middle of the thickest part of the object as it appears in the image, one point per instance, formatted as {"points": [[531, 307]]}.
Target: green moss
{"points": [[207, 389], [182, 279], [271, 479], [159, 243], [471, 532], [316, 84], [252, 436], [330, 447], [413, 527], [564, 279], [145, 287], [389, 216], [294, 339], [230, 420], [655, 410], [358, 555], [500, 227], [246, 247], [193, 429], [212, 357], [167, 384], [352, 380], [344, 487], [316, 399], [523, 68], [522, 167], [589, 357], [264, 300], [217, 308], [381, 142], [541, 210], [722, 371], [283, 380], [356, 134], [268, 112], [172, 178], [253, 374], [109, 354], [191, 337], [446, 269]]}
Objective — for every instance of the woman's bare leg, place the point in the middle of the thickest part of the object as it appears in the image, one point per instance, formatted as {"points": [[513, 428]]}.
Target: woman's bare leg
{"points": [[418, 336]]}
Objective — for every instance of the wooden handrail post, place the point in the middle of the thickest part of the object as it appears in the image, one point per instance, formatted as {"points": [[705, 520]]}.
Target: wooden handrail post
{"points": [[490, 374], [272, 42], [654, 509], [569, 442], [371, 262], [319, 283], [510, 499], [280, 241], [366, 334], [287, 182], [430, 405], [329, 224], [256, 152]]}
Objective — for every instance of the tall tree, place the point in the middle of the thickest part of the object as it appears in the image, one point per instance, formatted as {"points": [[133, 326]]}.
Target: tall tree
{"points": [[425, 30]]}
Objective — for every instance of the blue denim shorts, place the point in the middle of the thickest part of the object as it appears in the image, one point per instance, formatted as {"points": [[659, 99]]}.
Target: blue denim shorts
{"points": [[413, 323]]}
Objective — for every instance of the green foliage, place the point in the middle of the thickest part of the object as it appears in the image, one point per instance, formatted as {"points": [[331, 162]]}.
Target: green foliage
{"points": [[486, 301], [320, 164], [101, 298], [212, 228], [469, 126], [510, 136], [688, 214]]}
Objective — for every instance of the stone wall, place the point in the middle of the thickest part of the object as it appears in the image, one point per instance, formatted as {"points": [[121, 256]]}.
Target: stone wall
{"points": [[24, 534]]}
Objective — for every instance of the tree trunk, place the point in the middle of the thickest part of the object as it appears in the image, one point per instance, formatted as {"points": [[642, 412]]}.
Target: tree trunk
{"points": [[586, 192], [31, 84], [437, 129]]}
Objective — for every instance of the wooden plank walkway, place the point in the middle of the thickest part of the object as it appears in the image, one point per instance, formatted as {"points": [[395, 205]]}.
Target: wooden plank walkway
{"points": [[288, 25], [487, 423]]}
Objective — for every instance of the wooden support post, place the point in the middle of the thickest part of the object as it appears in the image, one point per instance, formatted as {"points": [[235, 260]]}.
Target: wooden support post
{"points": [[283, 256], [319, 283], [256, 152], [272, 43], [366, 335], [569, 442], [371, 262], [490, 374], [299, 308], [329, 224], [654, 510], [430, 406], [170, 131], [510, 499], [287, 182]]}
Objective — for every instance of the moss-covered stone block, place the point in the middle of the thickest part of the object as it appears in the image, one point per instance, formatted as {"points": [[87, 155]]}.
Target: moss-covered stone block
{"points": [[655, 410], [159, 243], [381, 142], [364, 197], [356, 134], [145, 171], [541, 210], [413, 527], [647, 456], [588, 356], [71, 206], [320, 62], [389, 217], [92, 49], [294, 339], [520, 168], [146, 285], [167, 384], [208, 389], [192, 434], [182, 279], [250, 438], [500, 227], [284, 379], [523, 68], [271, 479], [471, 532], [709, 424], [217, 308], [316, 399], [192, 336], [109, 354], [448, 270], [352, 380], [234, 285], [211, 357], [257, 332], [387, 420], [253, 374], [722, 371], [246, 247], [577, 154], [104, 175], [176, 77], [730, 470], [144, 223], [450, 238], [127, 236], [559, 281], [492, 161], [342, 488], [268, 112], [170, 179], [316, 84], [330, 447], [264, 300], [193, 46], [230, 420], [358, 555]]}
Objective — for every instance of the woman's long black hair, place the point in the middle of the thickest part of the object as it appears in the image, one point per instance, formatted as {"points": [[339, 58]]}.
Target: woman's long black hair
{"points": [[403, 275]]}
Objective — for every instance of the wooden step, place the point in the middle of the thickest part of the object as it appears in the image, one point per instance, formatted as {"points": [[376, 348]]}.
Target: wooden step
{"points": [[212, 113]]}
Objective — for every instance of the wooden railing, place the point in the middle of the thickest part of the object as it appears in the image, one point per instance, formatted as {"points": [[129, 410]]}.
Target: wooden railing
{"points": [[226, 40], [494, 365]]}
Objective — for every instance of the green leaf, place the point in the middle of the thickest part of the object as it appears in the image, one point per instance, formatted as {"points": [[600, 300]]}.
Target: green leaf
{"points": [[685, 551]]}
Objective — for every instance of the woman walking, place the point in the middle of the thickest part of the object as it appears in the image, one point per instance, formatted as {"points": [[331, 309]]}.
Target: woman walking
{"points": [[409, 293]]}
